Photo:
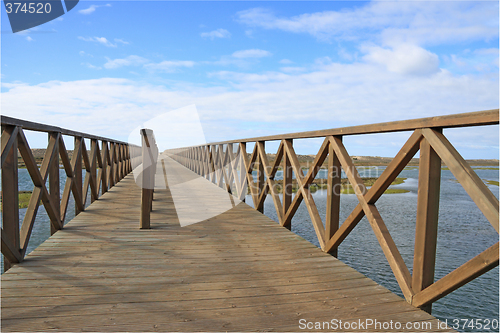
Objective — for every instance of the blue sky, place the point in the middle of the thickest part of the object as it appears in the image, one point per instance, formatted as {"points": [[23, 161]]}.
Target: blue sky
{"points": [[258, 68]]}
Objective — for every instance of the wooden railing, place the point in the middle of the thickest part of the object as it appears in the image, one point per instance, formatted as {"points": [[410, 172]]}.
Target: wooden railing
{"points": [[106, 164], [232, 170], [149, 158]]}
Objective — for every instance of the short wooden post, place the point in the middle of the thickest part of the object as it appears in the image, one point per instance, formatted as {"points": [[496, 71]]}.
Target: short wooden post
{"points": [[10, 198], [333, 197], [54, 186], [429, 180], [149, 153]]}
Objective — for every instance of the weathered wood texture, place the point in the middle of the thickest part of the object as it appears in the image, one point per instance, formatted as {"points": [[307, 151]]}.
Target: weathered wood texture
{"points": [[238, 271], [419, 287]]}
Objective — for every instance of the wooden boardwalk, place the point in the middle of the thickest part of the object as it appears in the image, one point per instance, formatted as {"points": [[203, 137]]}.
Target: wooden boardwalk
{"points": [[238, 271]]}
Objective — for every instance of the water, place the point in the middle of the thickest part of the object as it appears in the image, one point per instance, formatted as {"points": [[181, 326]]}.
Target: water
{"points": [[41, 227], [463, 233]]}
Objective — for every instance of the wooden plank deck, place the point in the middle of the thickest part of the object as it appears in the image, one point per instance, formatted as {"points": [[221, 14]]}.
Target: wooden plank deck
{"points": [[238, 271]]}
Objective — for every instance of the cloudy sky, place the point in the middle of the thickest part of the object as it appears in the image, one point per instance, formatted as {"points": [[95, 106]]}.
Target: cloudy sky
{"points": [[258, 68]]}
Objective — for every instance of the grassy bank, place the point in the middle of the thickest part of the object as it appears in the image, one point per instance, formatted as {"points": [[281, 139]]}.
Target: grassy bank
{"points": [[346, 187], [24, 198]]}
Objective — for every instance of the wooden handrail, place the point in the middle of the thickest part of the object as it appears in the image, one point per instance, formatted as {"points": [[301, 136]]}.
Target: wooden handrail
{"points": [[105, 165], [32, 126], [149, 160], [233, 171], [468, 119]]}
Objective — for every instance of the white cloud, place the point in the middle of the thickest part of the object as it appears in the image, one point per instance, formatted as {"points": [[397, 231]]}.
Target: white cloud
{"points": [[91, 9], [131, 60], [346, 55], [85, 54], [100, 40], [219, 33], [169, 66], [121, 41], [490, 51], [286, 62], [404, 59], [331, 95], [29, 39], [252, 53], [293, 69], [89, 65], [391, 22]]}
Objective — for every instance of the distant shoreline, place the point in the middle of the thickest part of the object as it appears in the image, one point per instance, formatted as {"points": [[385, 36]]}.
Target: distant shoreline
{"points": [[306, 160]]}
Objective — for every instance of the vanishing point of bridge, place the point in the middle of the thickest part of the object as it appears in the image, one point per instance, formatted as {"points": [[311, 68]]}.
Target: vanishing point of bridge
{"points": [[124, 263]]}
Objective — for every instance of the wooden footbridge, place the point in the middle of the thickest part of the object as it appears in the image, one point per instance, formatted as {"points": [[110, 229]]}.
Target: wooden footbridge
{"points": [[127, 262]]}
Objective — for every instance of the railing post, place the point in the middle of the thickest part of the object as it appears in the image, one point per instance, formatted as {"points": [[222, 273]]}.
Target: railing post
{"points": [[243, 172], [104, 169], [54, 187], [287, 185], [261, 180], [112, 169], [93, 169], [10, 196], [78, 170], [206, 161], [213, 170], [149, 153], [333, 197], [429, 180]]}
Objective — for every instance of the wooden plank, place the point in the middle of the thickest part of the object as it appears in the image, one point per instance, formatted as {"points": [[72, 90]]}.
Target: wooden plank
{"points": [[28, 125], [306, 195], [39, 192], [480, 118], [77, 174], [333, 197], [54, 180], [260, 176], [270, 184], [473, 268], [391, 252], [104, 167], [390, 173], [473, 185], [248, 163], [429, 181], [93, 171], [9, 138], [111, 165], [254, 274], [10, 251], [287, 187], [10, 202]]}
